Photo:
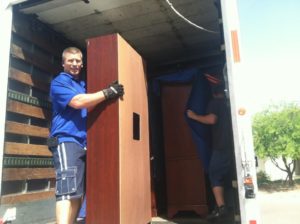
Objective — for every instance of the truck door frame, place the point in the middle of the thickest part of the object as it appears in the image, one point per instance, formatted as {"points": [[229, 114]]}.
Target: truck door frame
{"points": [[241, 123], [6, 16]]}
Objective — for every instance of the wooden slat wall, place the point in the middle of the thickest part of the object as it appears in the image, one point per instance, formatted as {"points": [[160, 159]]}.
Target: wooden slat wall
{"points": [[26, 129], [22, 149], [39, 34], [35, 59], [11, 174], [27, 79], [26, 109], [21, 198]]}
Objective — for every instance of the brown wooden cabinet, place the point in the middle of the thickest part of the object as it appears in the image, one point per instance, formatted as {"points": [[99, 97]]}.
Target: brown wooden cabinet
{"points": [[185, 180], [118, 164]]}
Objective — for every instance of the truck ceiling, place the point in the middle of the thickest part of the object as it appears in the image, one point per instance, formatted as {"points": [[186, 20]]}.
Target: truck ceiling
{"points": [[151, 27]]}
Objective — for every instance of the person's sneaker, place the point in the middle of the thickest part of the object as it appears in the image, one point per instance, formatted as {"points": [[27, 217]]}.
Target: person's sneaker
{"points": [[219, 213]]}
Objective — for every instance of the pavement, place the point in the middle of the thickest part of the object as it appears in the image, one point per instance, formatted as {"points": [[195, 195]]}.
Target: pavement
{"points": [[187, 219], [280, 207]]}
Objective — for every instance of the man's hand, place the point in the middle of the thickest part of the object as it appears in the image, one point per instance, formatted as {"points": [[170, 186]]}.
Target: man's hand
{"points": [[191, 114], [114, 90]]}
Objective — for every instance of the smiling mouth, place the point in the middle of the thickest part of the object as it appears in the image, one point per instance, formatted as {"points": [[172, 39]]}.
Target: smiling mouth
{"points": [[75, 69]]}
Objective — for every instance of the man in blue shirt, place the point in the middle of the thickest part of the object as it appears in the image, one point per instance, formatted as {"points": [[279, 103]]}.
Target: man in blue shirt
{"points": [[67, 140]]}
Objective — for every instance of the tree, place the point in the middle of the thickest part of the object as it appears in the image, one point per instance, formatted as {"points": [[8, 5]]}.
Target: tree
{"points": [[276, 133]]}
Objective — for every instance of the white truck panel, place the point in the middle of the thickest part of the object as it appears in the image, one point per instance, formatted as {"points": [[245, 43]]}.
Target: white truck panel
{"points": [[244, 151], [5, 24]]}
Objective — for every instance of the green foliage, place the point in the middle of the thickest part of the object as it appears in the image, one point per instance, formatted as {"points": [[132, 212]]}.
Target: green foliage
{"points": [[262, 178], [276, 132]]}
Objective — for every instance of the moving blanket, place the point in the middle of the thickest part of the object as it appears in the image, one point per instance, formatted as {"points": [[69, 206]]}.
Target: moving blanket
{"points": [[197, 102]]}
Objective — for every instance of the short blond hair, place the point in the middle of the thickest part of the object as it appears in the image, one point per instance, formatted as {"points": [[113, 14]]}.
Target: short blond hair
{"points": [[72, 50]]}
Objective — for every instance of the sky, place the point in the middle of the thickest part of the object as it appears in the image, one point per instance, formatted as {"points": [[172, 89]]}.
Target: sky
{"points": [[270, 50]]}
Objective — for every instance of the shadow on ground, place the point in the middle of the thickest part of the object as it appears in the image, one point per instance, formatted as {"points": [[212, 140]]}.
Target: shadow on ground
{"points": [[278, 186]]}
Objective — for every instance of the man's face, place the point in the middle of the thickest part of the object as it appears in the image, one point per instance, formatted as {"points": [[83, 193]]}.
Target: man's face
{"points": [[73, 63]]}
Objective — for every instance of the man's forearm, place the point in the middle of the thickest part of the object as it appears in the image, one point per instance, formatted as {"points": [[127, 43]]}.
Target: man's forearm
{"points": [[87, 100], [205, 119]]}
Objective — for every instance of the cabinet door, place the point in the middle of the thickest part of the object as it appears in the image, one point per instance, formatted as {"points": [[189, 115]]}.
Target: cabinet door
{"points": [[118, 164], [186, 189]]}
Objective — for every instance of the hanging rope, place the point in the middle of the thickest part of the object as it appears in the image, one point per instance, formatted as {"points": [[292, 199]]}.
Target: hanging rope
{"points": [[188, 21]]}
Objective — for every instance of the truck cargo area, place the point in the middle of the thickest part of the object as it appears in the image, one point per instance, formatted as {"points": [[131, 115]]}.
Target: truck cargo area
{"points": [[171, 46]]}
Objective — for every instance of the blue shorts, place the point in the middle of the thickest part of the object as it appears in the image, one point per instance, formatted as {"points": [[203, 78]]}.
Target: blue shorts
{"points": [[69, 163], [220, 168]]}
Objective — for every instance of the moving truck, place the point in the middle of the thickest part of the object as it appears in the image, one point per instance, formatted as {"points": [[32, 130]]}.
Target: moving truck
{"points": [[174, 38]]}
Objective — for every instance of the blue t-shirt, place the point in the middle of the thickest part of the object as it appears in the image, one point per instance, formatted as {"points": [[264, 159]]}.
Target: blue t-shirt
{"points": [[222, 138], [68, 124]]}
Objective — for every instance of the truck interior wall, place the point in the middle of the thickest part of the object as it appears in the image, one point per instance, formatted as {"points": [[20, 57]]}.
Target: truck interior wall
{"points": [[28, 179]]}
